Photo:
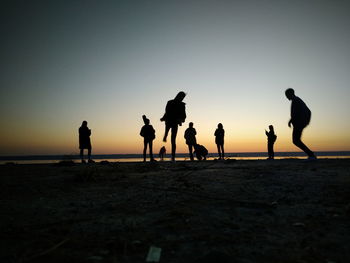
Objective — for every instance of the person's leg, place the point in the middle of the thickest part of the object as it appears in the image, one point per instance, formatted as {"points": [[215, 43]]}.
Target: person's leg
{"points": [[297, 132], [222, 151], [144, 150], [173, 141], [82, 155], [89, 154], [219, 150], [151, 150], [167, 128], [270, 150], [190, 149]]}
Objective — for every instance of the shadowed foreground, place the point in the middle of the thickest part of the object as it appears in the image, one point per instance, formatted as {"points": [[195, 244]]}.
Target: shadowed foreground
{"points": [[232, 211]]}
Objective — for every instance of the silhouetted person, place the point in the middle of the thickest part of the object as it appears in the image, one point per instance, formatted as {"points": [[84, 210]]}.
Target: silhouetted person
{"points": [[219, 140], [84, 141], [271, 138], [162, 152], [148, 134], [300, 118], [190, 136], [175, 114], [201, 152]]}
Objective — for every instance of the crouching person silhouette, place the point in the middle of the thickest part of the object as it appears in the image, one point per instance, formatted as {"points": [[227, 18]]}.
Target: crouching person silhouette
{"points": [[84, 141], [201, 152], [148, 134], [162, 153], [300, 118]]}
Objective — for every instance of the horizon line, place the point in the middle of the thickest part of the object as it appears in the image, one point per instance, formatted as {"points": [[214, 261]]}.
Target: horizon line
{"points": [[235, 154]]}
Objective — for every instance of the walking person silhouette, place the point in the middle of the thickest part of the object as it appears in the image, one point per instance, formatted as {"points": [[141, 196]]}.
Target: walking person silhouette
{"points": [[84, 141], [271, 138], [190, 136], [175, 114], [148, 134], [219, 140], [300, 118]]}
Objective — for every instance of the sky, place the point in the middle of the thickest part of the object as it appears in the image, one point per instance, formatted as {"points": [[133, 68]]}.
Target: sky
{"points": [[110, 62]]}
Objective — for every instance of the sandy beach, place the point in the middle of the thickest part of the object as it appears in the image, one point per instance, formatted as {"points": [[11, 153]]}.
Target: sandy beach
{"points": [[213, 211]]}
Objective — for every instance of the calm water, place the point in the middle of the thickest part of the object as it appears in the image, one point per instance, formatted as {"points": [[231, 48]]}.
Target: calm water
{"points": [[39, 159]]}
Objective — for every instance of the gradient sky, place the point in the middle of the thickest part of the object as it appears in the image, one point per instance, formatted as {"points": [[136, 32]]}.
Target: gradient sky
{"points": [[109, 62]]}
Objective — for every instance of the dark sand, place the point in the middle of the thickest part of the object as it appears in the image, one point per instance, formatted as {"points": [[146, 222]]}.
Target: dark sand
{"points": [[232, 211]]}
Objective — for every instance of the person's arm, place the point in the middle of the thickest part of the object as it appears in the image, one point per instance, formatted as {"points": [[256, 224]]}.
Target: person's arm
{"points": [[166, 112], [142, 132], [153, 132], [297, 111], [183, 112], [293, 112]]}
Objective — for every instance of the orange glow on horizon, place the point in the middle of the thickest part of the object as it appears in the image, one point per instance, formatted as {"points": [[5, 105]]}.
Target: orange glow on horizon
{"points": [[109, 143]]}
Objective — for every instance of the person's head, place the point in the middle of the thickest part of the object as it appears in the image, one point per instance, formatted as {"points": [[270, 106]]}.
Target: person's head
{"points": [[145, 120], [290, 93], [271, 128], [180, 96], [190, 125], [84, 124], [220, 126]]}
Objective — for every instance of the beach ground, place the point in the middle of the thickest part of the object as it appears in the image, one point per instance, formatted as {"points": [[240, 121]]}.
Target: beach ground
{"points": [[214, 211]]}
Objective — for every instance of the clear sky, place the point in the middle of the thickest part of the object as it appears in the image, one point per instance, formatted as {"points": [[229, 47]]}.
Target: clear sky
{"points": [[109, 62]]}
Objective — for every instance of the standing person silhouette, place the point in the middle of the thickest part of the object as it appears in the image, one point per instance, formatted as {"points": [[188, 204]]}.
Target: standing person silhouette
{"points": [[84, 141], [175, 114], [300, 118], [190, 136], [148, 134], [219, 140], [271, 138]]}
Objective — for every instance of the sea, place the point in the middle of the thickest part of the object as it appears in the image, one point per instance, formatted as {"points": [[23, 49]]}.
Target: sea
{"points": [[45, 159]]}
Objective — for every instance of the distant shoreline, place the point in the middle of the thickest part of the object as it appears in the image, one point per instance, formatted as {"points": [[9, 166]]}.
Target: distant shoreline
{"points": [[136, 158], [179, 155], [168, 160]]}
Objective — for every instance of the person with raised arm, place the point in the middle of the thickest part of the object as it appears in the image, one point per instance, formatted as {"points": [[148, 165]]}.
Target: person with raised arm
{"points": [[271, 138]]}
